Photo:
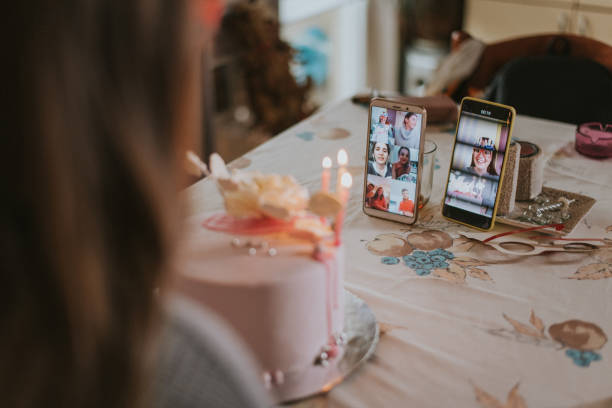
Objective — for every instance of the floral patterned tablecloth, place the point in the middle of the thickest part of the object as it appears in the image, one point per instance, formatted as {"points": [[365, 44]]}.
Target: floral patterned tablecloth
{"points": [[461, 323]]}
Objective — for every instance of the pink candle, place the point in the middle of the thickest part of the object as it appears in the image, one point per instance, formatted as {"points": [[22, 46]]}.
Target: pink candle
{"points": [[343, 194], [327, 163], [342, 161]]}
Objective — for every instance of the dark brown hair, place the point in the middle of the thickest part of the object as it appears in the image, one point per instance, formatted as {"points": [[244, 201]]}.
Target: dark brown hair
{"points": [[408, 115], [382, 193], [97, 105]]}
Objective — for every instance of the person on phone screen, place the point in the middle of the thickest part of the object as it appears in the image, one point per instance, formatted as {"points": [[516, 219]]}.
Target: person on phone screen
{"points": [[370, 191], [408, 133], [380, 166], [402, 165], [379, 201], [406, 206], [382, 131], [483, 162]]}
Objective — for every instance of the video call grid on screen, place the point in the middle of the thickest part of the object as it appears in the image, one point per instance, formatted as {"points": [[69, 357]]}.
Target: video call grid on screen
{"points": [[393, 154], [477, 163]]}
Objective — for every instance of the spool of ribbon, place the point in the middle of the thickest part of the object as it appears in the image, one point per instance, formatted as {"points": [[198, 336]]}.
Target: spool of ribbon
{"points": [[509, 182], [530, 173]]}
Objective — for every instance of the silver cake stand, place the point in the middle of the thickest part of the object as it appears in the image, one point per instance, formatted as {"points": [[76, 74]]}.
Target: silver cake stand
{"points": [[362, 336]]}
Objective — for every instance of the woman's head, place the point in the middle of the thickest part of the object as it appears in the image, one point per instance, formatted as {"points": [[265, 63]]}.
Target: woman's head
{"points": [[380, 152], [483, 161], [410, 120], [403, 155], [380, 192], [370, 190], [103, 102]]}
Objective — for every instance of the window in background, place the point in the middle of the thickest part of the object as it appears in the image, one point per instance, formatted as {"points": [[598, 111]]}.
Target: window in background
{"points": [[426, 27], [330, 37]]}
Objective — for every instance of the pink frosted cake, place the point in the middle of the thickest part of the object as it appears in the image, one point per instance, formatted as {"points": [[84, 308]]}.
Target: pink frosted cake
{"points": [[277, 281]]}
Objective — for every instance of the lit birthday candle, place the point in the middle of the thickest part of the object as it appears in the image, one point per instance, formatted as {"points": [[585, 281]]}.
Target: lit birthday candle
{"points": [[327, 163], [345, 184]]}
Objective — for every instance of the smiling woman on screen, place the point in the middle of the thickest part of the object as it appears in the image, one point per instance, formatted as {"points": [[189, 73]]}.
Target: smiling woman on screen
{"points": [[483, 161], [380, 166]]}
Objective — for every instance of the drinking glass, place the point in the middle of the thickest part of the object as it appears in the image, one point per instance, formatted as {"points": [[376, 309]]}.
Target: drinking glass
{"points": [[429, 158]]}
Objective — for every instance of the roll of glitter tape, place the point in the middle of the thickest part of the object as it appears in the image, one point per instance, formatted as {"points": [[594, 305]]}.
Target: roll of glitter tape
{"points": [[530, 173], [508, 190]]}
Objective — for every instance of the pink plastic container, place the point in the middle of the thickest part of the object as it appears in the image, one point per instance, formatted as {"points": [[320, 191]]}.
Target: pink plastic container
{"points": [[594, 139]]}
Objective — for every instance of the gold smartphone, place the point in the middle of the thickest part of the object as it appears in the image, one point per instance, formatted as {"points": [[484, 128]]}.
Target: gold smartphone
{"points": [[478, 162], [393, 160]]}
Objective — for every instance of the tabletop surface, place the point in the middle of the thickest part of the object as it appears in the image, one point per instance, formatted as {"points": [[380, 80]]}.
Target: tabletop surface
{"points": [[491, 329]]}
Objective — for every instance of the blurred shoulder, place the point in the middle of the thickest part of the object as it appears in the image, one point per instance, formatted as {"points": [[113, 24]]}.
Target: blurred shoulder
{"points": [[202, 362]]}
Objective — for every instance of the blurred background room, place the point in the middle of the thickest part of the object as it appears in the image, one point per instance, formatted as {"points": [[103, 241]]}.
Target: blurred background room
{"points": [[277, 61]]}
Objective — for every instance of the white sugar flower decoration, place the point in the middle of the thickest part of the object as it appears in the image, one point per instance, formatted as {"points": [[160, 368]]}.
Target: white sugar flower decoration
{"points": [[252, 194]]}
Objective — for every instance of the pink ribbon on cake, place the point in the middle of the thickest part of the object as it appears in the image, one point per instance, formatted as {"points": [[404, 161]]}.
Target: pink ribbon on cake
{"points": [[223, 222], [331, 283]]}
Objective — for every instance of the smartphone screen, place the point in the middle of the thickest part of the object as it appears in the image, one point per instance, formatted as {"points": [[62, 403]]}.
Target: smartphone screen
{"points": [[483, 134], [393, 154]]}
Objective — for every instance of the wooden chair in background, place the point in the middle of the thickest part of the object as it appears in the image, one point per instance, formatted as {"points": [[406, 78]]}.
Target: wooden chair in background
{"points": [[559, 77]]}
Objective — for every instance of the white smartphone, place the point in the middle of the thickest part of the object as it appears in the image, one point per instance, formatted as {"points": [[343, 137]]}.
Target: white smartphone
{"points": [[393, 160]]}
